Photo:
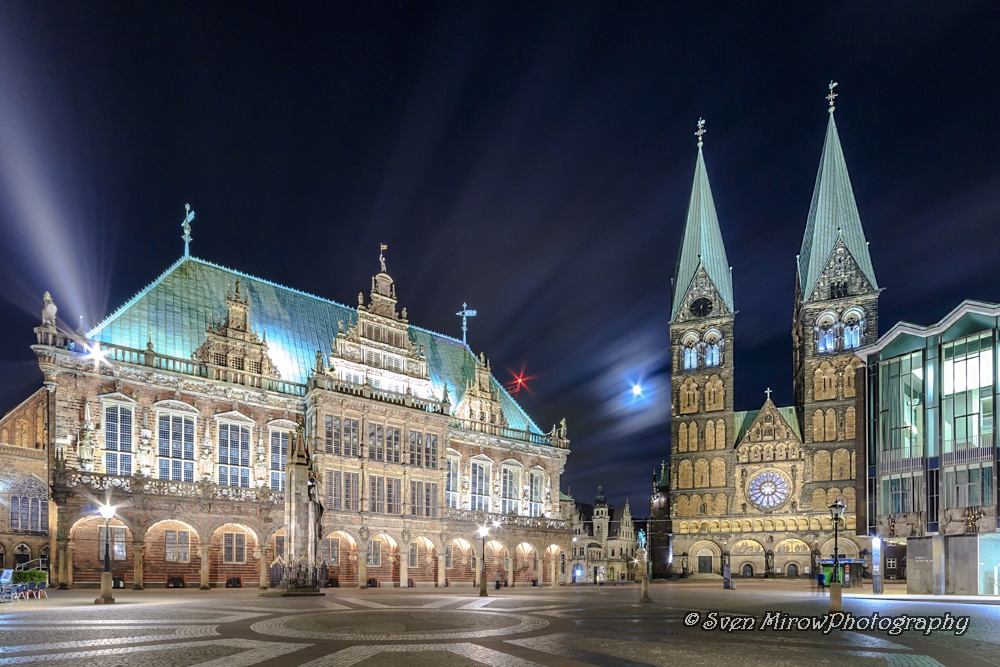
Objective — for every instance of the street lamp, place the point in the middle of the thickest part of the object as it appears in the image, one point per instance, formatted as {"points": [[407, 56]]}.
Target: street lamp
{"points": [[836, 513], [483, 532], [107, 513]]}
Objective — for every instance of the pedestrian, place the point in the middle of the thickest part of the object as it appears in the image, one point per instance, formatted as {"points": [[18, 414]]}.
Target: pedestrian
{"points": [[496, 579], [821, 581]]}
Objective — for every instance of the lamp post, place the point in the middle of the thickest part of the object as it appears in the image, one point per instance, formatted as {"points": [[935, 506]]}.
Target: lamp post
{"points": [[836, 513], [483, 532], [107, 513]]}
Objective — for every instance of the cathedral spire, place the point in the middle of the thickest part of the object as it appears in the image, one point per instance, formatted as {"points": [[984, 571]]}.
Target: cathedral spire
{"points": [[702, 242], [833, 215]]}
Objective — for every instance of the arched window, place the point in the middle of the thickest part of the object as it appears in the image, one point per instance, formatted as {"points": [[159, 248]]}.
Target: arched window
{"points": [[826, 333], [690, 358], [29, 506], [853, 325], [713, 349], [702, 509]]}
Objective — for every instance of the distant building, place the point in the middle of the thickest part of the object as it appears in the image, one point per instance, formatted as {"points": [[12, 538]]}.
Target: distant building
{"points": [[754, 487], [931, 454], [604, 543]]}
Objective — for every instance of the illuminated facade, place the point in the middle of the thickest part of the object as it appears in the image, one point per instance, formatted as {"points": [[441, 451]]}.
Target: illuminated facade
{"points": [[753, 488], [931, 455], [605, 549], [183, 407]]}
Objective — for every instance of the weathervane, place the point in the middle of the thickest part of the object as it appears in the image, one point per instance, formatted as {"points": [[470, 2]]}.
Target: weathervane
{"points": [[187, 229], [465, 314], [832, 95], [700, 132], [381, 257]]}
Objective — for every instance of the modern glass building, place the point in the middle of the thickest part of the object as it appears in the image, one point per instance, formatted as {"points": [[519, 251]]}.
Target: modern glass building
{"points": [[931, 456]]}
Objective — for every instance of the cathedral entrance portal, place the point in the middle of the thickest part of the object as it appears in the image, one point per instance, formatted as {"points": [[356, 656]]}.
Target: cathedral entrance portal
{"points": [[792, 570], [748, 570], [704, 565]]}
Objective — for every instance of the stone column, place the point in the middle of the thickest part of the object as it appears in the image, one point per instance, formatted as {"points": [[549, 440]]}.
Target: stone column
{"points": [[261, 553], [404, 562], [62, 552], [138, 554], [69, 564], [204, 550], [362, 566], [552, 571], [441, 570]]}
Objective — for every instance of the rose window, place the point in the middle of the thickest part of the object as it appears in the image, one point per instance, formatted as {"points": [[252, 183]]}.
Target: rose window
{"points": [[768, 489]]}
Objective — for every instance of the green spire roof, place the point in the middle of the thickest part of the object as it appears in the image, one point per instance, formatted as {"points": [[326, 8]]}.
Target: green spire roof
{"points": [[833, 214], [702, 243]]}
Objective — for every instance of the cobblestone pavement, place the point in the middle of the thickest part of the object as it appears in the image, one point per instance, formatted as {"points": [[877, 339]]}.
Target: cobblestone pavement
{"points": [[569, 626]]}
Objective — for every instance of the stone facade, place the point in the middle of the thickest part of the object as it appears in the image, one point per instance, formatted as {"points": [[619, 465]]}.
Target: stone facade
{"points": [[193, 451], [605, 548]]}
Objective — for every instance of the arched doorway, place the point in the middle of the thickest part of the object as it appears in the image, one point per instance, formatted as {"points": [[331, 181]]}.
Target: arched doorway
{"points": [[338, 550], [22, 554], [792, 570], [748, 570], [705, 561], [459, 562]]}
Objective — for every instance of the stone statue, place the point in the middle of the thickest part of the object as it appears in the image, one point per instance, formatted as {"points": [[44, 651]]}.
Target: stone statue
{"points": [[206, 466], [320, 367], [48, 311], [404, 313], [260, 466], [146, 456], [361, 299], [88, 443], [641, 539], [562, 428]]}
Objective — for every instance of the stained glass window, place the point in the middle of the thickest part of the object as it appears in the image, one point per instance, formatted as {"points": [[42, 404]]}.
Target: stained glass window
{"points": [[768, 489]]}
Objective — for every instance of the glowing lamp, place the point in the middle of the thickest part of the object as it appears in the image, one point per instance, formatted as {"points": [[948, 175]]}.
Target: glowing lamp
{"points": [[483, 531], [107, 512], [496, 524], [877, 543]]}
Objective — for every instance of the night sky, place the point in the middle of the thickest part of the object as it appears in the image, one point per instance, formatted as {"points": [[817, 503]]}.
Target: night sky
{"points": [[532, 159]]}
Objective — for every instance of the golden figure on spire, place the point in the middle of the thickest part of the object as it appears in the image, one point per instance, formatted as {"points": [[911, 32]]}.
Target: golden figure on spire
{"points": [[832, 95], [700, 132]]}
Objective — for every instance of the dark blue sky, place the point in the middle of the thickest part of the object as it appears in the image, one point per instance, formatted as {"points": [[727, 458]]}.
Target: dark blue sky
{"points": [[532, 159]]}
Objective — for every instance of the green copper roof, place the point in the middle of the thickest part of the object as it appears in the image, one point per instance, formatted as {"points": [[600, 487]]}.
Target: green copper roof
{"points": [[176, 309], [702, 243], [743, 420], [832, 214]]}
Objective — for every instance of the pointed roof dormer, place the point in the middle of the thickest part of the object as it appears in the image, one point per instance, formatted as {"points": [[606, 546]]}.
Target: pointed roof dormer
{"points": [[833, 216], [702, 246]]}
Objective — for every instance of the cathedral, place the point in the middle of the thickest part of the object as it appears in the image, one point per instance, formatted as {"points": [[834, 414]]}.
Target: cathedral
{"points": [[753, 489], [192, 406]]}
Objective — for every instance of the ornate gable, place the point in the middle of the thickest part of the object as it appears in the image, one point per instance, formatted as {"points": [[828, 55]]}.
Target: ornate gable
{"points": [[233, 344], [481, 403], [841, 277], [769, 437], [701, 287]]}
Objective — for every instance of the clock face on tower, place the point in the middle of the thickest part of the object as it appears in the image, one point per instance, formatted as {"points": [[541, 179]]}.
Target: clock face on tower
{"points": [[701, 307]]}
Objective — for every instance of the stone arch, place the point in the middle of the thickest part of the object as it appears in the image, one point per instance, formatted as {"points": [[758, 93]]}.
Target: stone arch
{"points": [[714, 527], [817, 422], [758, 525], [850, 499], [849, 384], [726, 527], [851, 522], [685, 474], [684, 527], [819, 500], [718, 472], [683, 506], [780, 451], [715, 394], [768, 452], [720, 434], [831, 496], [779, 525], [709, 436], [688, 397], [756, 453], [748, 547], [850, 423], [791, 546], [848, 548], [704, 526], [119, 521], [830, 426], [747, 526], [842, 464], [815, 524], [682, 437], [214, 528], [721, 504], [821, 466], [825, 382], [769, 525], [701, 478]]}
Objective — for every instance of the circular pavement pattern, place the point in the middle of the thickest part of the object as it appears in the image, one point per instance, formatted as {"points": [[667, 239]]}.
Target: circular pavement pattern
{"points": [[409, 624]]}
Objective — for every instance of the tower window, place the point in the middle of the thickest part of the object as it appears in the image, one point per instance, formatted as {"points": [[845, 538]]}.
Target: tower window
{"points": [[690, 358], [838, 290]]}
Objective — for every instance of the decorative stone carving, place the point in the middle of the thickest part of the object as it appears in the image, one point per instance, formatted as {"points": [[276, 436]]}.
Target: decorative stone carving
{"points": [[49, 311], [146, 457]]}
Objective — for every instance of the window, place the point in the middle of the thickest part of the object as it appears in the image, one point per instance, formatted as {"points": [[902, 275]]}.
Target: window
{"points": [[330, 550], [423, 499], [384, 496], [901, 407], [838, 290], [852, 332], [117, 543], [393, 363], [416, 448], [118, 440], [29, 513], [279, 546], [334, 489], [969, 486], [392, 445], [890, 563], [234, 548], [332, 434], [713, 354], [480, 499], [176, 447], [967, 396], [373, 359], [511, 484], [535, 500], [690, 358], [351, 489], [376, 443], [177, 546], [412, 562], [374, 556], [234, 455], [342, 441], [451, 483], [279, 456], [351, 377]]}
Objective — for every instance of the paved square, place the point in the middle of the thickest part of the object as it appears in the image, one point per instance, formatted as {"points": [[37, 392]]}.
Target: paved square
{"points": [[584, 625]]}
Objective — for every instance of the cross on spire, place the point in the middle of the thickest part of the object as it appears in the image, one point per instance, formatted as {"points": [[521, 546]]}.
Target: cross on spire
{"points": [[700, 132], [831, 96], [768, 392], [186, 225], [465, 314]]}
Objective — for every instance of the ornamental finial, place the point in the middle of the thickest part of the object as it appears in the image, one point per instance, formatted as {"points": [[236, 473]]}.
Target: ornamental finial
{"points": [[187, 229], [831, 96], [700, 132], [381, 257]]}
